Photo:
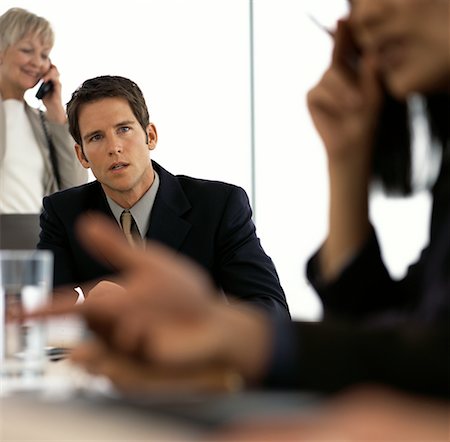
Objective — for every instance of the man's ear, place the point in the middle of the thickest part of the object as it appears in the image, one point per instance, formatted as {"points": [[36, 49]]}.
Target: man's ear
{"points": [[81, 156], [152, 136]]}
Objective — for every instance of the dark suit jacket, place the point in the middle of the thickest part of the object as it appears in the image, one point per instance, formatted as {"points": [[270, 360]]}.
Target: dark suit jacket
{"points": [[208, 221]]}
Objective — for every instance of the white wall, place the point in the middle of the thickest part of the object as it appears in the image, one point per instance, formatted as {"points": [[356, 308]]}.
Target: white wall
{"points": [[191, 59]]}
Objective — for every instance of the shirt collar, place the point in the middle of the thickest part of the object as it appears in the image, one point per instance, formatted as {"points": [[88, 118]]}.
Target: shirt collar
{"points": [[141, 211]]}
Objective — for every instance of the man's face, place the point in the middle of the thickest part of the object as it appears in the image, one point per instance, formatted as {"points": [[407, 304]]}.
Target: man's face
{"points": [[115, 149]]}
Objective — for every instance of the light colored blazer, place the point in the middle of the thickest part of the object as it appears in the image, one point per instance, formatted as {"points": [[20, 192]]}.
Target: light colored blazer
{"points": [[70, 169]]}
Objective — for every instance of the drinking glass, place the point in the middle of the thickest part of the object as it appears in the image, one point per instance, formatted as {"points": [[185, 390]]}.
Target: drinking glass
{"points": [[25, 284]]}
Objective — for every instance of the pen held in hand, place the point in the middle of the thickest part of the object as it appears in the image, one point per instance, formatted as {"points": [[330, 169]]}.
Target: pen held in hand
{"points": [[352, 55], [321, 26]]}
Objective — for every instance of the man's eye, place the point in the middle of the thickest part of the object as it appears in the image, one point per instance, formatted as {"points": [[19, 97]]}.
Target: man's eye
{"points": [[124, 129], [26, 50], [95, 138]]}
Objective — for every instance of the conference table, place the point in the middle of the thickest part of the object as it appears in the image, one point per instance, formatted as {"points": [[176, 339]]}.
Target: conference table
{"points": [[91, 416], [70, 405]]}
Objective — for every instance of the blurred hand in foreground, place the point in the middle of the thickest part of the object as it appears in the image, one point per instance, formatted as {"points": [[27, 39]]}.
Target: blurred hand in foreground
{"points": [[164, 316]]}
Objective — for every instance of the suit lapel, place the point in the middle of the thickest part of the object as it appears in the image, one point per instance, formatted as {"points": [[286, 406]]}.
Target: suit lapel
{"points": [[166, 223], [97, 200]]}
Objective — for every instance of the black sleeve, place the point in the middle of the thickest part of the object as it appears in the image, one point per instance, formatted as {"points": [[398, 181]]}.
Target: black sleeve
{"points": [[242, 264], [364, 287], [411, 356], [54, 237], [328, 356]]}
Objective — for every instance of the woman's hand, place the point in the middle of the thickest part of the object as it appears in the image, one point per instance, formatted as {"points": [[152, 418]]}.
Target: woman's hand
{"points": [[53, 100], [345, 107]]}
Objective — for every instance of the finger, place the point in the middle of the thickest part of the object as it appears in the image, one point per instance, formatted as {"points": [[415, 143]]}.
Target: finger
{"points": [[52, 74], [104, 315], [345, 54], [339, 43], [334, 94], [89, 354], [156, 270], [64, 304], [125, 321], [204, 378], [104, 240], [135, 376]]}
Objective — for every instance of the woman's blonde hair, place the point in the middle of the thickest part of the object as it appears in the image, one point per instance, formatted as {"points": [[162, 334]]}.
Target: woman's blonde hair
{"points": [[16, 23]]}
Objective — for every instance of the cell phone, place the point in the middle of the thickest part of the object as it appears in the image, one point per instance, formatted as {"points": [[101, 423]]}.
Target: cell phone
{"points": [[44, 89], [57, 353]]}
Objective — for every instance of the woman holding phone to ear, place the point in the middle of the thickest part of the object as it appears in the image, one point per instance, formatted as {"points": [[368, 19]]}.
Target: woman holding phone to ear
{"points": [[37, 154]]}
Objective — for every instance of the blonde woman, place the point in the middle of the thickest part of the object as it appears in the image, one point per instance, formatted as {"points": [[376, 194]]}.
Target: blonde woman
{"points": [[37, 154]]}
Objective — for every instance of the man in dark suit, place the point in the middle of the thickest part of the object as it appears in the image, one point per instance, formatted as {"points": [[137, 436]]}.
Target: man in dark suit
{"points": [[208, 221]]}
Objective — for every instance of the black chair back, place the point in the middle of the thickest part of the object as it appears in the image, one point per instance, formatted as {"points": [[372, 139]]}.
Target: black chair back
{"points": [[19, 231]]}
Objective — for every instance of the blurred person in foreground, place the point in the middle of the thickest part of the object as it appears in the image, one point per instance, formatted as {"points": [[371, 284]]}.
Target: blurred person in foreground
{"points": [[29, 166], [375, 330]]}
